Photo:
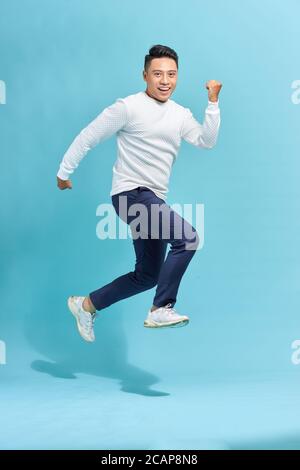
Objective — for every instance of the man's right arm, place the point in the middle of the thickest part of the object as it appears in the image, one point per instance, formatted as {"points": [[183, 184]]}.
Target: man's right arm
{"points": [[107, 123]]}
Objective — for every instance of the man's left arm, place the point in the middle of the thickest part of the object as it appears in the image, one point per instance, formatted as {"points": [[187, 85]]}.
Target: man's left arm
{"points": [[204, 135]]}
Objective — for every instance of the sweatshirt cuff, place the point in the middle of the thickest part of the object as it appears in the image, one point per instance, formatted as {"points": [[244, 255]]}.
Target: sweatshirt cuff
{"points": [[63, 174], [213, 103], [213, 106]]}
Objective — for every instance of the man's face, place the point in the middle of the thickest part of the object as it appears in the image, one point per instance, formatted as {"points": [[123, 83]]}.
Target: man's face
{"points": [[161, 78]]}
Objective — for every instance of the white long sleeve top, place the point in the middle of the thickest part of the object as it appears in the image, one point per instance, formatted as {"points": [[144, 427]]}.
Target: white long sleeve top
{"points": [[149, 134]]}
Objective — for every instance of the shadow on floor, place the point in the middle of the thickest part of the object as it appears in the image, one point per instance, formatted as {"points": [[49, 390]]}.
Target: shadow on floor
{"points": [[67, 354]]}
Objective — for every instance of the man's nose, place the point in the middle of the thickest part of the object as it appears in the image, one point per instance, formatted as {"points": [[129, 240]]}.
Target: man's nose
{"points": [[164, 79]]}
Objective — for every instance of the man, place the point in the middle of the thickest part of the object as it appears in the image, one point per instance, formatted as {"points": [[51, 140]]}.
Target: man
{"points": [[149, 127]]}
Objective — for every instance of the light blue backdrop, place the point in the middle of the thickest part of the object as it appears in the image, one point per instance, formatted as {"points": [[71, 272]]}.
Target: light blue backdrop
{"points": [[226, 380]]}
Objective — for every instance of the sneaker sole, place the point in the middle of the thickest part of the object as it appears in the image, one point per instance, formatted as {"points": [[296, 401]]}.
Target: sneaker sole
{"points": [[153, 324], [73, 311]]}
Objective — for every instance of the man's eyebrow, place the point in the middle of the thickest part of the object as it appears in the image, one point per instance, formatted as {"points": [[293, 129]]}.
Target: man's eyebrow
{"points": [[158, 70]]}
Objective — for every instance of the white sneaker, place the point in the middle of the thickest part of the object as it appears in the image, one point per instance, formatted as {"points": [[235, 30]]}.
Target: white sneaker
{"points": [[85, 320], [164, 317]]}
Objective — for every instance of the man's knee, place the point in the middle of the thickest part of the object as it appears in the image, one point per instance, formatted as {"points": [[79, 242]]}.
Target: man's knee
{"points": [[192, 241]]}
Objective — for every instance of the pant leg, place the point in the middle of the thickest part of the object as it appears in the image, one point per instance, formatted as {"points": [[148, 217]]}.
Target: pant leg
{"points": [[171, 228], [179, 256], [150, 255]]}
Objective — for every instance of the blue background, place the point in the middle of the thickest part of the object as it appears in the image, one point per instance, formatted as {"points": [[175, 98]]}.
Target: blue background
{"points": [[227, 380]]}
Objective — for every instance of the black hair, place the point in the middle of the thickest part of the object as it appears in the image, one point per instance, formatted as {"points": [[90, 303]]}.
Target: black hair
{"points": [[158, 51]]}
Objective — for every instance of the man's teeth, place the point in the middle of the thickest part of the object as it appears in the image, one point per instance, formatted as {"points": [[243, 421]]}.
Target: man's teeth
{"points": [[164, 89]]}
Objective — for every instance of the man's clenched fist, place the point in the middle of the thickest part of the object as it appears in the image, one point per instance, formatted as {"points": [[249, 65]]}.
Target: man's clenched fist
{"points": [[64, 184], [214, 88]]}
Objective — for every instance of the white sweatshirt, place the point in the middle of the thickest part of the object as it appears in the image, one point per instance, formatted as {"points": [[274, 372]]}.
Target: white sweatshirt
{"points": [[149, 134]]}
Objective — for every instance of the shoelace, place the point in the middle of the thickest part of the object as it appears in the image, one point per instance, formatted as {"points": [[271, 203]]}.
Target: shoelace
{"points": [[170, 309], [89, 321]]}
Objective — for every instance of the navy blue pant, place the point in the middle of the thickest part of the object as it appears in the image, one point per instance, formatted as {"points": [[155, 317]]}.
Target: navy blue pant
{"points": [[152, 267]]}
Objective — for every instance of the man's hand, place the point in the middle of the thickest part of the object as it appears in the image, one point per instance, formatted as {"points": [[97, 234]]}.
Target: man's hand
{"points": [[64, 184], [214, 88]]}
